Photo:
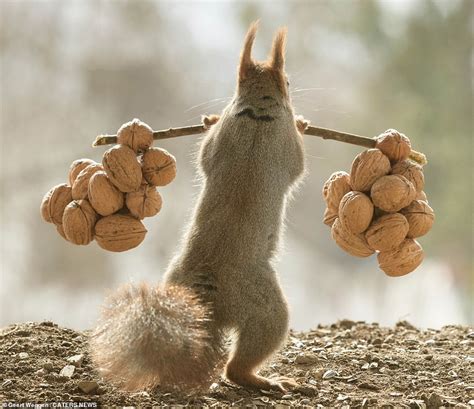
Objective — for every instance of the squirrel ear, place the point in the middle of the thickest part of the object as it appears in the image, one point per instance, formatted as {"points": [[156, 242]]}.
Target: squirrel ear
{"points": [[277, 55], [246, 61]]}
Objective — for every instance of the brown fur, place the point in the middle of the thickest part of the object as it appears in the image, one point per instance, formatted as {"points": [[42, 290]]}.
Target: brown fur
{"points": [[249, 161]]}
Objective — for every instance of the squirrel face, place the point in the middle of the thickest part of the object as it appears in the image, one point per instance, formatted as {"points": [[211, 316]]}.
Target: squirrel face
{"points": [[262, 90]]}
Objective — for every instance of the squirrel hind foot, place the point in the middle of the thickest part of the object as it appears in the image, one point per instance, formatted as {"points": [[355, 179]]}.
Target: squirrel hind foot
{"points": [[250, 380]]}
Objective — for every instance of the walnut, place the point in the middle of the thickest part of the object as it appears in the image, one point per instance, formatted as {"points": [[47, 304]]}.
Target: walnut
{"points": [[330, 216], [367, 167], [119, 232], [104, 197], [394, 145], [402, 260], [54, 202], [420, 217], [122, 168], [159, 166], [392, 193], [78, 222], [136, 135], [355, 212], [80, 187], [145, 202], [335, 188], [354, 244], [421, 196], [387, 232], [60, 230], [412, 171], [76, 168]]}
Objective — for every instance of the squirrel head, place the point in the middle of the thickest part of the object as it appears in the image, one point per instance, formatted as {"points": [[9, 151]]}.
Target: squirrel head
{"points": [[260, 81]]}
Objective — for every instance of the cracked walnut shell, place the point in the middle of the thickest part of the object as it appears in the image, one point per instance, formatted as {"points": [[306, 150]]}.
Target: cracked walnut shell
{"points": [[420, 217], [136, 134], [354, 244], [355, 212], [80, 188], [78, 222], [367, 167], [159, 166], [145, 202], [395, 145], [387, 232], [402, 260], [54, 202], [392, 193], [122, 167], [104, 197], [119, 232]]}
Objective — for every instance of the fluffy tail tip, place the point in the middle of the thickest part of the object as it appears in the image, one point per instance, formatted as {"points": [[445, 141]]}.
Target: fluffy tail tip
{"points": [[149, 336]]}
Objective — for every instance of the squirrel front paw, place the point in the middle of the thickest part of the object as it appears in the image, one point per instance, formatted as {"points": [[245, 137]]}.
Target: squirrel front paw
{"points": [[301, 123], [209, 120]]}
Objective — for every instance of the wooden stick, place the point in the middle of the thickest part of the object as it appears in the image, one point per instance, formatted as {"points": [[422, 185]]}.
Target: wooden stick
{"points": [[310, 130]]}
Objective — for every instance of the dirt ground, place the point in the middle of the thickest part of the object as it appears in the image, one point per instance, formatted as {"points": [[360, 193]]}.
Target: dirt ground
{"points": [[347, 364]]}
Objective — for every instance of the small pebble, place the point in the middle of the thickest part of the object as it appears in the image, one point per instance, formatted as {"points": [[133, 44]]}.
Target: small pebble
{"points": [[87, 386], [23, 355], [306, 358], [48, 366], [329, 374], [67, 371], [76, 360], [6, 383]]}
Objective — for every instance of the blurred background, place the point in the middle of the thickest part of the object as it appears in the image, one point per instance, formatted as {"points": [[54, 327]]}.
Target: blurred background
{"points": [[73, 69]]}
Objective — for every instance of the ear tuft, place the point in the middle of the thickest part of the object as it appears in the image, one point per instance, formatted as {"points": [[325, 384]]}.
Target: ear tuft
{"points": [[277, 55], [246, 61]]}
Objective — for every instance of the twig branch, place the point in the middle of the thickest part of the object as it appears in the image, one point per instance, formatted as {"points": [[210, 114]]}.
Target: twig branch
{"points": [[310, 130]]}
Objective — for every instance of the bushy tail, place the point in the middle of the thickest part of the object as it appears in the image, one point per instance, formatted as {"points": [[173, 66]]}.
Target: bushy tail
{"points": [[148, 336]]}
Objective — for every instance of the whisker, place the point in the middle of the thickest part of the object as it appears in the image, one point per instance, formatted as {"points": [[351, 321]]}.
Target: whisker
{"points": [[203, 112], [311, 89], [207, 102]]}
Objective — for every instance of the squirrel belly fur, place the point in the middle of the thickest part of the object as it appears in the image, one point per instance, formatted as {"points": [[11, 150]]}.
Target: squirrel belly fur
{"points": [[222, 281]]}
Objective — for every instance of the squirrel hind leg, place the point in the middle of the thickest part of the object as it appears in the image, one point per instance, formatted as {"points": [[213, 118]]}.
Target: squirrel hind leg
{"points": [[258, 340]]}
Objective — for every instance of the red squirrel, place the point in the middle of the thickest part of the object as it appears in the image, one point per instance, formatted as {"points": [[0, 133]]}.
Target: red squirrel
{"points": [[222, 281]]}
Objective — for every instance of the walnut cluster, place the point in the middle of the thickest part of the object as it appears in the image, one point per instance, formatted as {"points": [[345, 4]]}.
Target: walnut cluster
{"points": [[380, 206], [107, 201]]}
